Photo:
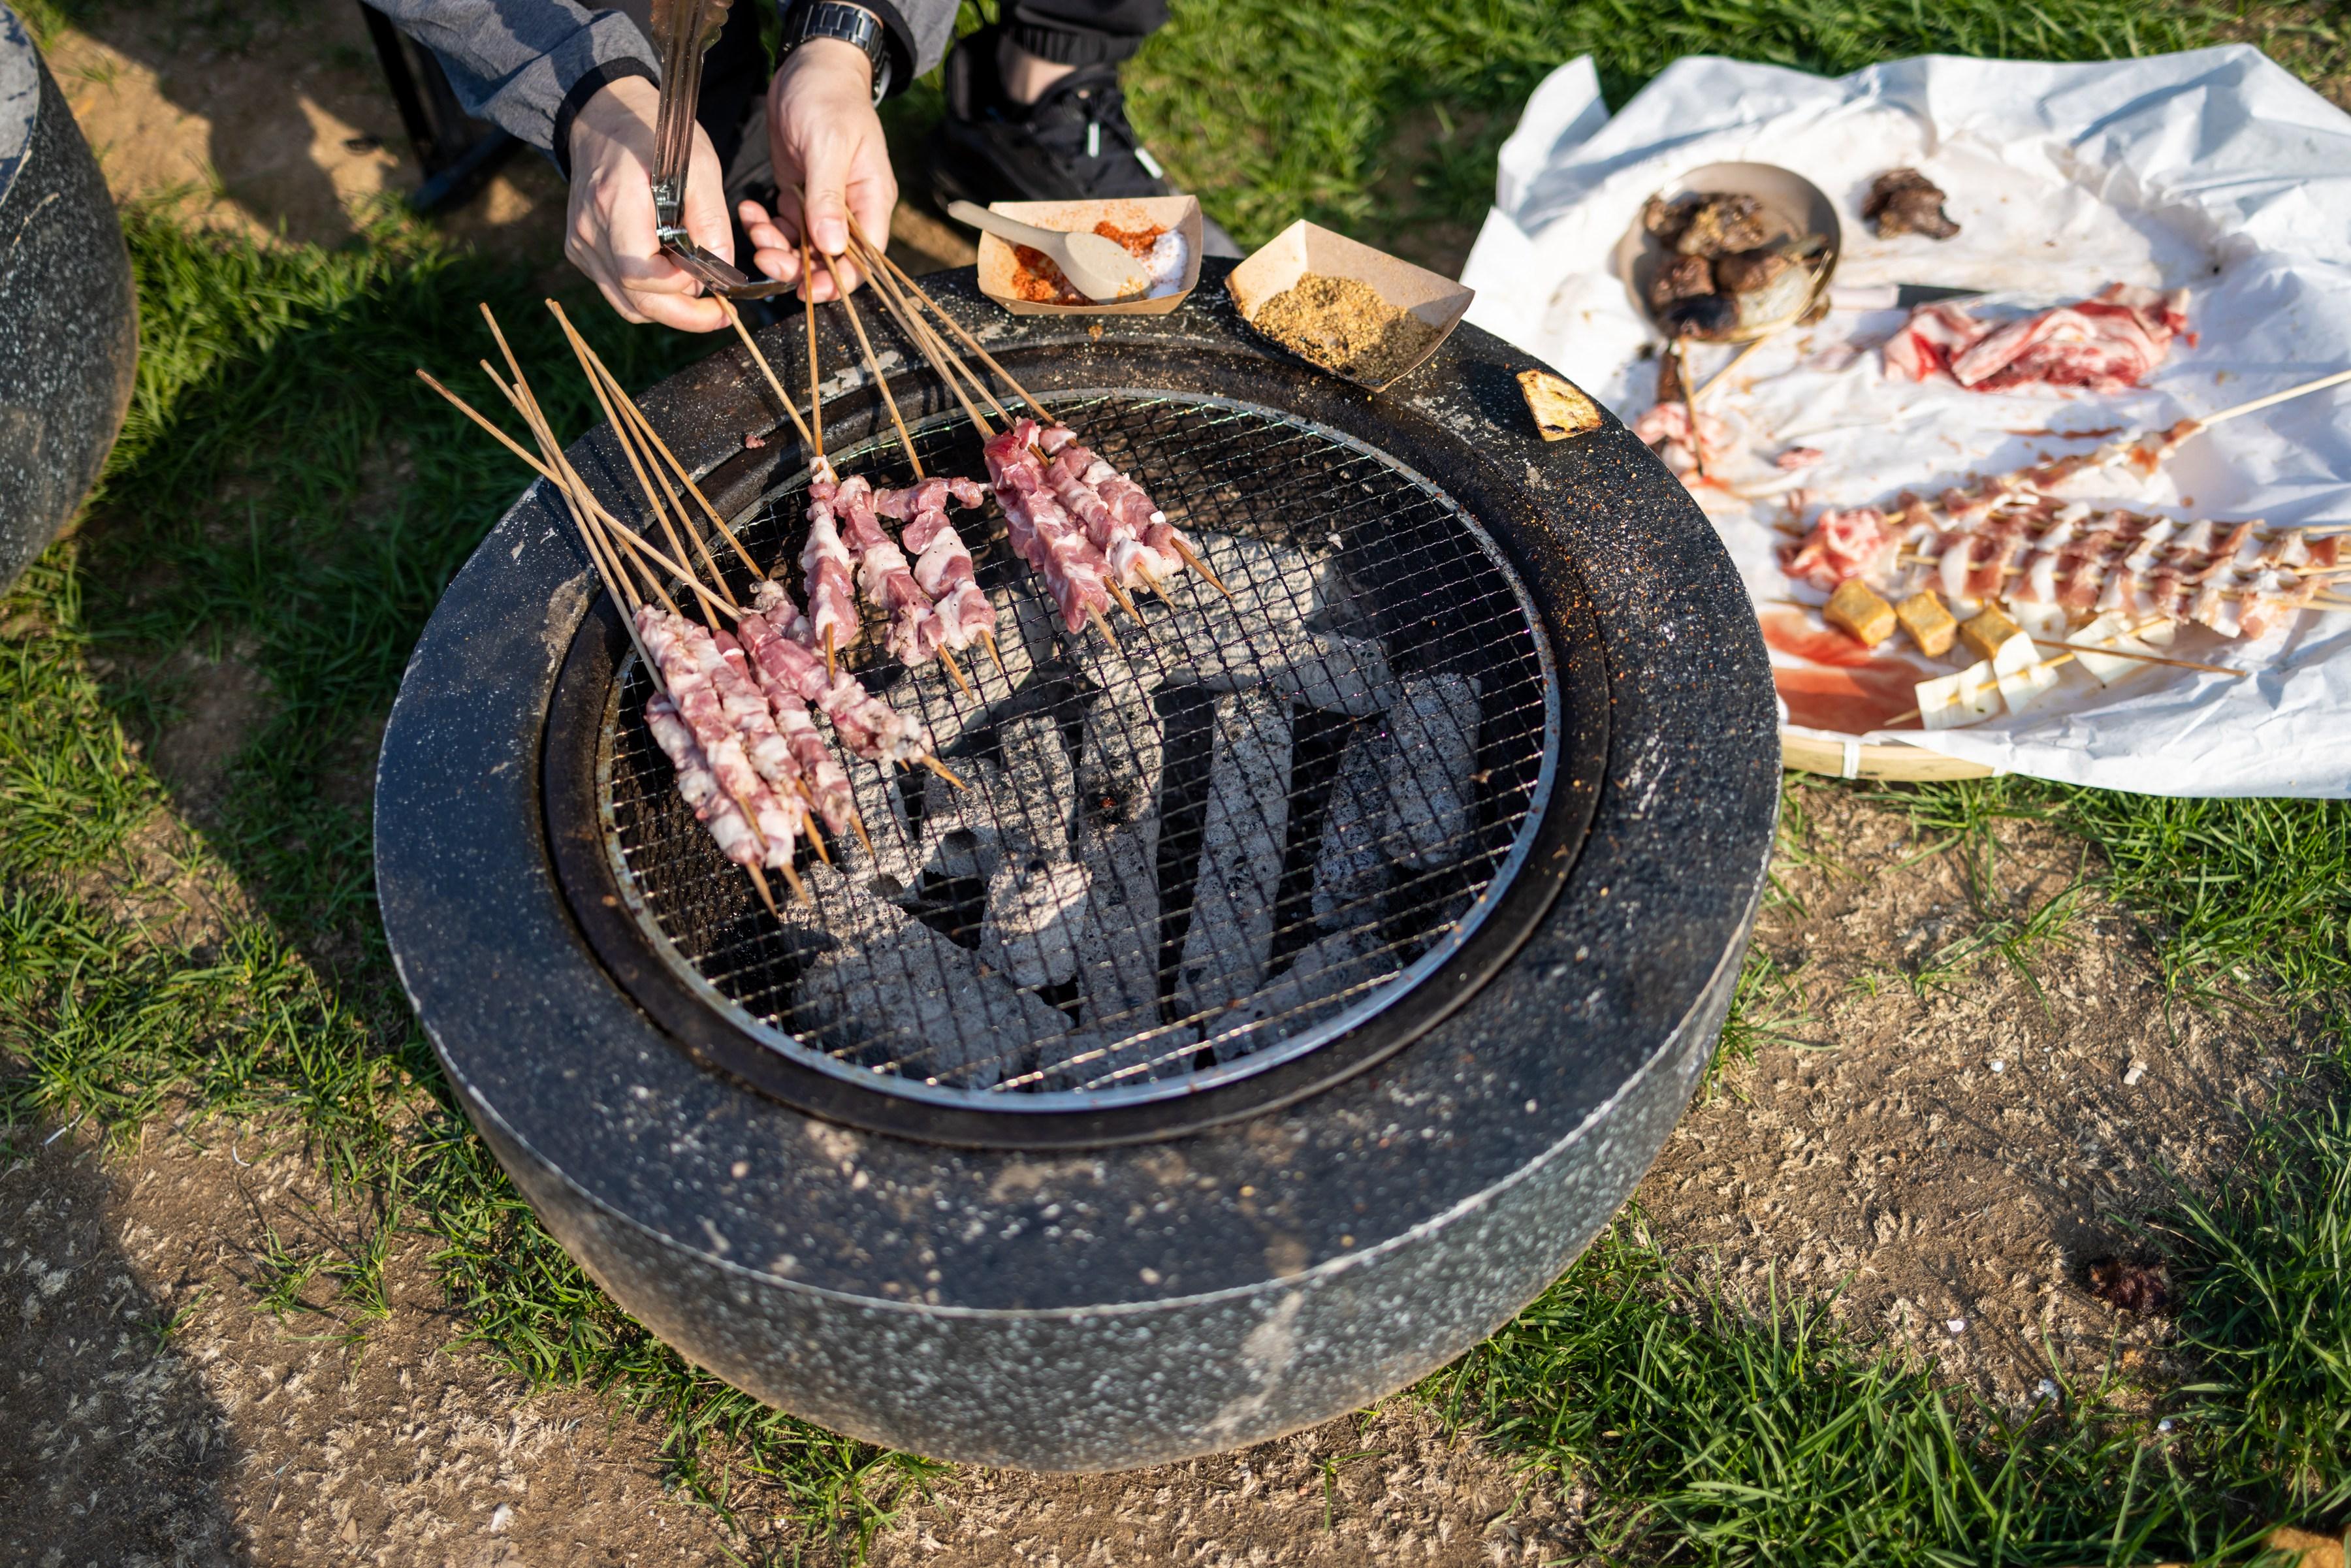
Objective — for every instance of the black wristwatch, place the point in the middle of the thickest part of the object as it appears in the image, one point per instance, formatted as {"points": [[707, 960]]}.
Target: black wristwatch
{"points": [[849, 24]]}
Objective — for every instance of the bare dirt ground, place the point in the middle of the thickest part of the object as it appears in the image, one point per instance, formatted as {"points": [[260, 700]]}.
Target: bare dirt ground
{"points": [[276, 121], [1947, 1137], [1934, 1140]]}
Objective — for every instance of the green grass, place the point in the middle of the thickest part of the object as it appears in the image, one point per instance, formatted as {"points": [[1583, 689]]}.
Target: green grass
{"points": [[2268, 1305], [286, 493], [288, 497], [1715, 1435], [1383, 118]]}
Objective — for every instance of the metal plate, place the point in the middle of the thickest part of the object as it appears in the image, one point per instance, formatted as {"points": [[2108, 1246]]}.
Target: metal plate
{"points": [[1195, 875]]}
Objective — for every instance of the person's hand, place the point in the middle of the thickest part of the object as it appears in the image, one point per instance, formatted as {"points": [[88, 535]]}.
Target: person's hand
{"points": [[824, 137], [609, 231]]}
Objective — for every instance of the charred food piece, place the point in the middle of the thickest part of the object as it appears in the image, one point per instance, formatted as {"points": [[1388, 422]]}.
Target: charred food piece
{"points": [[1668, 219], [1904, 202], [1560, 409], [2130, 1287], [1685, 277], [1747, 271], [1723, 226], [1700, 315]]}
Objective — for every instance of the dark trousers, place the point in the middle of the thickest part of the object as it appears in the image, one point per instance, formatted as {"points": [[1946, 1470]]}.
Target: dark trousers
{"points": [[735, 77], [1083, 32]]}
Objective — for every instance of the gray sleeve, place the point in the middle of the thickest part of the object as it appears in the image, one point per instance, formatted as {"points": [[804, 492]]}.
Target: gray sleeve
{"points": [[525, 66], [921, 28]]}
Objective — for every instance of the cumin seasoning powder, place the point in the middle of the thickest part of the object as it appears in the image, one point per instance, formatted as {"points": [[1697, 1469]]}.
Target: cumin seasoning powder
{"points": [[1342, 325]]}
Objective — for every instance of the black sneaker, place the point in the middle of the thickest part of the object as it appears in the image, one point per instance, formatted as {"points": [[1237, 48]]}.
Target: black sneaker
{"points": [[1072, 143]]}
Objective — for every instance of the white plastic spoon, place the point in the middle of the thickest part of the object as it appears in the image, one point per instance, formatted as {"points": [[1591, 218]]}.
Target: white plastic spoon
{"points": [[1101, 269]]}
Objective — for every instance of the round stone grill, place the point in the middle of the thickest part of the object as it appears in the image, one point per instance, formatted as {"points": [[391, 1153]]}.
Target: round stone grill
{"points": [[1244, 831]]}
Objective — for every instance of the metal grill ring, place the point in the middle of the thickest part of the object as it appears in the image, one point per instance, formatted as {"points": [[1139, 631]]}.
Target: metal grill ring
{"points": [[1246, 831]]}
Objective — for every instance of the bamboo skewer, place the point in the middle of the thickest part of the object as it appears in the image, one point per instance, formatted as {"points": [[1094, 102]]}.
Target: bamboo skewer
{"points": [[1737, 360], [872, 366], [735, 318], [596, 558], [881, 259], [645, 427], [2254, 406], [947, 658], [573, 487], [911, 322], [816, 393], [2144, 658], [563, 485], [527, 402], [621, 433]]}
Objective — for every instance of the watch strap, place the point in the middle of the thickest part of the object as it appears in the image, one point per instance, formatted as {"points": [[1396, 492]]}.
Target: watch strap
{"points": [[850, 24]]}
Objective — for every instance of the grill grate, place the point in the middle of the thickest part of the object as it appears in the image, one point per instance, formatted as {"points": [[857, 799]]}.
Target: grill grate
{"points": [[1252, 826]]}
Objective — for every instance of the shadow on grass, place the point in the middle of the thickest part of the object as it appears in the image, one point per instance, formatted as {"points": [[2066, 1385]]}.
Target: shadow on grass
{"points": [[198, 937]]}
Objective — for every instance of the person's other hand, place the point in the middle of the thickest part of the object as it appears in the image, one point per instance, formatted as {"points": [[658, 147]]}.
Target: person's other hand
{"points": [[609, 231], [824, 137]]}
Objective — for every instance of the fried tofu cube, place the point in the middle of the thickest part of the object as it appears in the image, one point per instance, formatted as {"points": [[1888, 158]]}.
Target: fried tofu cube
{"points": [[1857, 608], [1929, 624], [1950, 701], [1986, 629]]}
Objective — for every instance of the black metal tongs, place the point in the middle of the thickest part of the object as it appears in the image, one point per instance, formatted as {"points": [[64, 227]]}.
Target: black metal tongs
{"points": [[684, 31]]}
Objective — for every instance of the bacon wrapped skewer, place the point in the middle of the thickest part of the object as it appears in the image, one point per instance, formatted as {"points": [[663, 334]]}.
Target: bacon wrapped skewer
{"points": [[779, 645], [1041, 529], [942, 565], [885, 577], [825, 560], [676, 648]]}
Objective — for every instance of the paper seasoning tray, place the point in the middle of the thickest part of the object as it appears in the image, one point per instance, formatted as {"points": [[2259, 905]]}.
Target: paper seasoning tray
{"points": [[997, 263], [1304, 249]]}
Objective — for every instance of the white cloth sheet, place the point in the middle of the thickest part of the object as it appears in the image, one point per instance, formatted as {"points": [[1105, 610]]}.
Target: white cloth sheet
{"points": [[2215, 169]]}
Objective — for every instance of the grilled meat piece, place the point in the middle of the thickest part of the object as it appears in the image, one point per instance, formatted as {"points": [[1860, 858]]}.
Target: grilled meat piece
{"points": [[1666, 219], [1721, 225], [1904, 202], [1701, 316], [1747, 271], [1684, 277]]}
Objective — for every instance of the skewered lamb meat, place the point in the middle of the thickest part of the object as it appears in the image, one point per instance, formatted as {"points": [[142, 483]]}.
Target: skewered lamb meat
{"points": [[675, 646], [1041, 529], [943, 567]]}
